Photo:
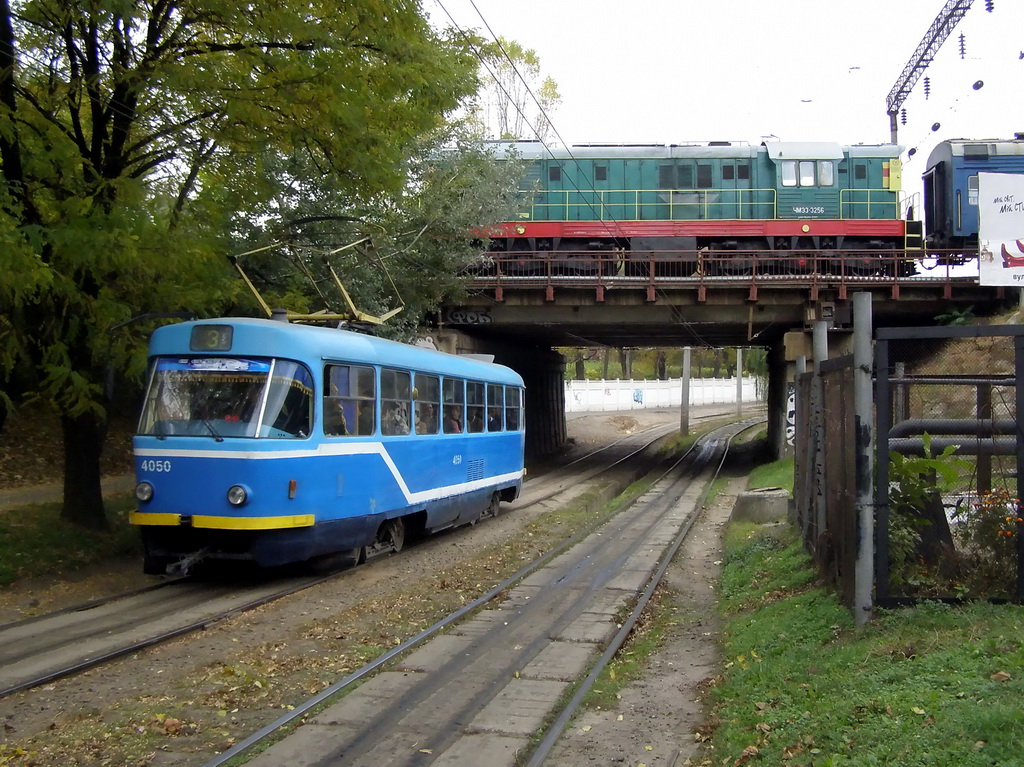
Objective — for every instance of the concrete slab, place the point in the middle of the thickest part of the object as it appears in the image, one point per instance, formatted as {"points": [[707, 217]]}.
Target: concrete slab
{"points": [[483, 622], [589, 627], [306, 743], [489, 750], [610, 602], [362, 705], [519, 709], [562, 661], [436, 653], [761, 505], [632, 580], [520, 596]]}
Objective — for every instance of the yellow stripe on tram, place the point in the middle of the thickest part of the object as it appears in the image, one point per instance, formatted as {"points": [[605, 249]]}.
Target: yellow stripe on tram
{"points": [[253, 523], [151, 518]]}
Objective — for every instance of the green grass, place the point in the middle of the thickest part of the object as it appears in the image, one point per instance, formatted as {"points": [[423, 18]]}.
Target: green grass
{"points": [[34, 540], [776, 474], [916, 687]]}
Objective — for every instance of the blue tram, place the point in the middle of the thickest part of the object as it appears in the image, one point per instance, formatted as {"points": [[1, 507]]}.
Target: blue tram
{"points": [[274, 442]]}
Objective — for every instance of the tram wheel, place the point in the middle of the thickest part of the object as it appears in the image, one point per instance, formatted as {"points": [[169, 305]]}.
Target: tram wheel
{"points": [[394, 532], [495, 506]]}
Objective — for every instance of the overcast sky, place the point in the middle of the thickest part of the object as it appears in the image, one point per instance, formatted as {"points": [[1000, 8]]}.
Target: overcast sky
{"points": [[671, 71]]}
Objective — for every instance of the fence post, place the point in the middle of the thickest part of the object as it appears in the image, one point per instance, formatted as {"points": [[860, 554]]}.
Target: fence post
{"points": [[862, 408]]}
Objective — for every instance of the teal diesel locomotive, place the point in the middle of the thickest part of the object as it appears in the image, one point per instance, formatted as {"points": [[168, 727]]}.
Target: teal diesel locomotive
{"points": [[720, 207]]}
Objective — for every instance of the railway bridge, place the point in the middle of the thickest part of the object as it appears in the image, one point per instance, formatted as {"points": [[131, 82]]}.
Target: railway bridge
{"points": [[520, 313]]}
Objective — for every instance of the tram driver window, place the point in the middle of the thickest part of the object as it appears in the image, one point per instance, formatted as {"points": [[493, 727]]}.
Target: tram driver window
{"points": [[349, 400]]}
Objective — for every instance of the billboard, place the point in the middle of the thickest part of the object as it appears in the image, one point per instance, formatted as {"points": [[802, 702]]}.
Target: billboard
{"points": [[1001, 229]]}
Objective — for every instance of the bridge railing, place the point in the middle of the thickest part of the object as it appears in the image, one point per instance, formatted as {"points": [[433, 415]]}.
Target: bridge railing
{"points": [[704, 269]]}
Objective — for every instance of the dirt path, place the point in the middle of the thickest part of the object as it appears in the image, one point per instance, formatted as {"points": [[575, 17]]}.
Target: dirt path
{"points": [[655, 721]]}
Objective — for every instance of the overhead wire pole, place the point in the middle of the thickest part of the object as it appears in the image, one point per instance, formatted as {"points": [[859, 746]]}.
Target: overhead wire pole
{"points": [[944, 23]]}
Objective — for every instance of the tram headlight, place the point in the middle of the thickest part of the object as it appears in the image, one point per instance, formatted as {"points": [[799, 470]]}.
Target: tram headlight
{"points": [[143, 492], [237, 495]]}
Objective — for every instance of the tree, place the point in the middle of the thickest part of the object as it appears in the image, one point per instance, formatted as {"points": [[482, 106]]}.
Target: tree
{"points": [[130, 131], [516, 101], [406, 248]]}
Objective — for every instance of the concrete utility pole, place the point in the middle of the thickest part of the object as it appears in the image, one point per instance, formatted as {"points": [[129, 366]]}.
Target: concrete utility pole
{"points": [[684, 406], [739, 382], [863, 409]]}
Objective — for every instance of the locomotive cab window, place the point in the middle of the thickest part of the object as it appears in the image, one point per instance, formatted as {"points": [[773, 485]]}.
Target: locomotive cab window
{"points": [[807, 173], [349, 400]]}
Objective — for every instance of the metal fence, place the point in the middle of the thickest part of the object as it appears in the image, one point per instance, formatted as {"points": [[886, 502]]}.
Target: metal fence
{"points": [[949, 520], [825, 479]]}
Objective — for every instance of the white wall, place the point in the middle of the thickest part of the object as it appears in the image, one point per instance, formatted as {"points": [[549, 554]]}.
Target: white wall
{"points": [[589, 396]]}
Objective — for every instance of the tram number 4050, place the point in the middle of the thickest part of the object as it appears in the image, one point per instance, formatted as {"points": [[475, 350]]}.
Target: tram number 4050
{"points": [[153, 465]]}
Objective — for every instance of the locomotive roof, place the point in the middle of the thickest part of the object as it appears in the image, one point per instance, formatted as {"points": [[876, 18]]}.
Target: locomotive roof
{"points": [[312, 344], [777, 150]]}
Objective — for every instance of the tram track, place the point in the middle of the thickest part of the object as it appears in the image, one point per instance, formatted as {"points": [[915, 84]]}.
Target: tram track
{"points": [[502, 674], [46, 648]]}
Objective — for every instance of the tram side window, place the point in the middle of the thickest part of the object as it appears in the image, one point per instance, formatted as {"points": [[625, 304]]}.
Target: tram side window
{"points": [[427, 400], [395, 401], [474, 407], [350, 394], [513, 408], [495, 407], [453, 391]]}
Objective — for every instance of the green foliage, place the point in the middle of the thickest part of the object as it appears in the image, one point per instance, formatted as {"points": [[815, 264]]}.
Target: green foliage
{"points": [[957, 317], [122, 191], [916, 485], [931, 686], [32, 541]]}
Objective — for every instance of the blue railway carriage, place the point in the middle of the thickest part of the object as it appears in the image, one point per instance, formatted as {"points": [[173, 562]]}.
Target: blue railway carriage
{"points": [[274, 442], [951, 186]]}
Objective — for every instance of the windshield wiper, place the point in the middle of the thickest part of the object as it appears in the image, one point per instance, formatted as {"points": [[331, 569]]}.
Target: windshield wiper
{"points": [[213, 431]]}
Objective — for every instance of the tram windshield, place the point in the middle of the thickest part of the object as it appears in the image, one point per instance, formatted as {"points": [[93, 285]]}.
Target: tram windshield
{"points": [[220, 397]]}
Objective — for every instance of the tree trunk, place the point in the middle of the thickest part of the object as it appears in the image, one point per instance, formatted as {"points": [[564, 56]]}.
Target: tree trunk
{"points": [[83, 496], [607, 353], [581, 368], [661, 366]]}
